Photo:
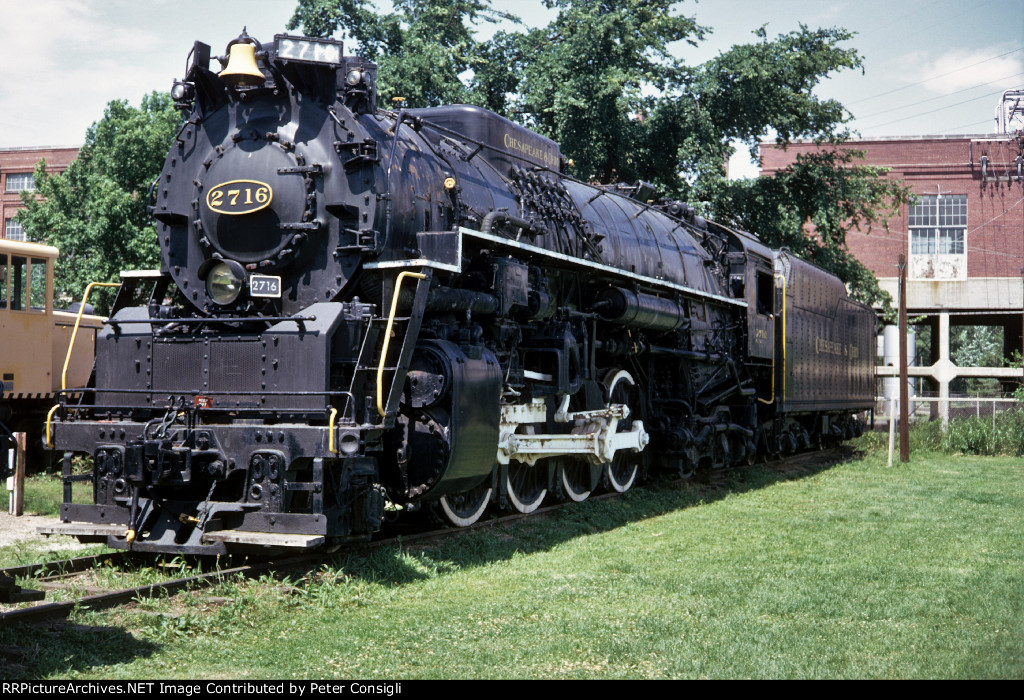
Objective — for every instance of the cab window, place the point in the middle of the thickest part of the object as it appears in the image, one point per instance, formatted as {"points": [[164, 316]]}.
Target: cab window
{"points": [[19, 283], [37, 290], [765, 293]]}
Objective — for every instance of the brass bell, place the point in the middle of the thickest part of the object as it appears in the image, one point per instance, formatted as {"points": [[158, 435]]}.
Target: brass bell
{"points": [[241, 70]]}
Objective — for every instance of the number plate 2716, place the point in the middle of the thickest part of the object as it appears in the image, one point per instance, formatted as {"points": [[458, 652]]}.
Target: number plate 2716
{"points": [[265, 286]]}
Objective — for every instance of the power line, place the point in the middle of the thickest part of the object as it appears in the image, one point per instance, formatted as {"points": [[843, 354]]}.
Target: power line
{"points": [[964, 126], [928, 80], [943, 19], [932, 111], [940, 97]]}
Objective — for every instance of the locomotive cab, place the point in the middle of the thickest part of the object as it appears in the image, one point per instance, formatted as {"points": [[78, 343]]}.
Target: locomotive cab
{"points": [[752, 278]]}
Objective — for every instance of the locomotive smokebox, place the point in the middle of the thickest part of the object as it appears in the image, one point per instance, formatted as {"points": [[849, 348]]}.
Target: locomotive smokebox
{"points": [[271, 170], [254, 191]]}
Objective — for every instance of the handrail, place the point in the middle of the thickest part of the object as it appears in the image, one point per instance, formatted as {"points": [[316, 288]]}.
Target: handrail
{"points": [[74, 333], [208, 319], [783, 277], [387, 337], [330, 431], [49, 420], [764, 401]]}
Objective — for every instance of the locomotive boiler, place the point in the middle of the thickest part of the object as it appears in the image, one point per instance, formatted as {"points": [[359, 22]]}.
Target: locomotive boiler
{"points": [[363, 312]]}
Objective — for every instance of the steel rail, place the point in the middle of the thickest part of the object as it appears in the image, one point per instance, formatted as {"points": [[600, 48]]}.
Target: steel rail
{"points": [[100, 601], [76, 565]]}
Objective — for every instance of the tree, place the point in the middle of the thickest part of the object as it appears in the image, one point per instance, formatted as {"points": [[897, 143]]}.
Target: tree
{"points": [[602, 81], [585, 83], [420, 48], [808, 207], [95, 212], [976, 346]]}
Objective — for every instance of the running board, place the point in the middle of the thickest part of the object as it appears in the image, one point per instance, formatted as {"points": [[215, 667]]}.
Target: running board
{"points": [[83, 530], [265, 539]]}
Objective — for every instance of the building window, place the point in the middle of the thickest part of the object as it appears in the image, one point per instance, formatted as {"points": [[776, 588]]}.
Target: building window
{"points": [[13, 230], [938, 237], [20, 182]]}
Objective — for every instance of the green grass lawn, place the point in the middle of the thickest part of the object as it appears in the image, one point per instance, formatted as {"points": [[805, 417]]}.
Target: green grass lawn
{"points": [[858, 570]]}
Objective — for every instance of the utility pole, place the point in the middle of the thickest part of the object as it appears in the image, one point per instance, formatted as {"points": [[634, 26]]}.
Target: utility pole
{"points": [[904, 393]]}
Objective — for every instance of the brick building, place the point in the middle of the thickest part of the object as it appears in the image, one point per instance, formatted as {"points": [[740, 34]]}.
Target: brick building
{"points": [[963, 239], [16, 168]]}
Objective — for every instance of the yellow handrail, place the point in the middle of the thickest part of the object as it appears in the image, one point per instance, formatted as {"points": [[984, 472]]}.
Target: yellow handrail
{"points": [[49, 419], [74, 333], [387, 337], [330, 434], [782, 277]]}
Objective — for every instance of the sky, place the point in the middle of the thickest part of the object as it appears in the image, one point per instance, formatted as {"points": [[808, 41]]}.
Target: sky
{"points": [[930, 66]]}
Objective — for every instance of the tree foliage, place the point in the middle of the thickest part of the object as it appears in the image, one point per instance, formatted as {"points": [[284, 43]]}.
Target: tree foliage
{"points": [[976, 346], [95, 212], [584, 83], [421, 48], [603, 80], [809, 206]]}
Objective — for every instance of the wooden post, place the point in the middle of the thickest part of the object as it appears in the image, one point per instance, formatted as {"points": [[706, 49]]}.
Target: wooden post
{"points": [[904, 378], [18, 500]]}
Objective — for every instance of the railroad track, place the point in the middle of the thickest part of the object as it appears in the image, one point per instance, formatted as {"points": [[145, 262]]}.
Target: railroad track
{"points": [[55, 575]]}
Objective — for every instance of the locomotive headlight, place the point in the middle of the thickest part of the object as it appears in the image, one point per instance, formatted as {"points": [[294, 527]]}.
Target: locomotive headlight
{"points": [[354, 77], [182, 91], [225, 280]]}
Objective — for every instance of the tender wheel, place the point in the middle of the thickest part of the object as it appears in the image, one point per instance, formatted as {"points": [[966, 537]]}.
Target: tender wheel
{"points": [[573, 479], [621, 473], [526, 486], [464, 509]]}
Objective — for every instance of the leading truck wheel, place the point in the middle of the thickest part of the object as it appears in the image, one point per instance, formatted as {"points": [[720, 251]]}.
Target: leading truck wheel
{"points": [[620, 474], [464, 509]]}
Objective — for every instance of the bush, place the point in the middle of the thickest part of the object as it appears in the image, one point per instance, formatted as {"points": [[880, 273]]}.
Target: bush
{"points": [[985, 436], [926, 437], [973, 436]]}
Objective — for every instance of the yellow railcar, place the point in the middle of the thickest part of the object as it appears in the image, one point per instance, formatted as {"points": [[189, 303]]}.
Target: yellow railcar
{"points": [[34, 340]]}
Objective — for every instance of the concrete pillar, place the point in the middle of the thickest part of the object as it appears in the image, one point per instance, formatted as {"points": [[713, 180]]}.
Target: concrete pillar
{"points": [[1012, 330], [944, 368]]}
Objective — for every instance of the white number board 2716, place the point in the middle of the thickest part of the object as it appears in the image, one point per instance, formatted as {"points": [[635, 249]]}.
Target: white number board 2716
{"points": [[264, 286]]}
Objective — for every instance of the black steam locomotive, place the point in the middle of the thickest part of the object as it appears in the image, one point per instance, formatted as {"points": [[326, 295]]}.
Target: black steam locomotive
{"points": [[362, 312]]}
